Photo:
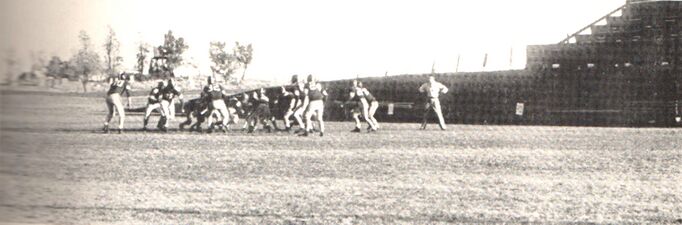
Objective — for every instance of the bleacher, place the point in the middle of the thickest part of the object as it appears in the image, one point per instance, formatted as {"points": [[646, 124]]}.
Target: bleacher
{"points": [[623, 73]]}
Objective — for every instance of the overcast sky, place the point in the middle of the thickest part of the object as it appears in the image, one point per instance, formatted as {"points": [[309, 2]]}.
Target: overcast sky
{"points": [[332, 39]]}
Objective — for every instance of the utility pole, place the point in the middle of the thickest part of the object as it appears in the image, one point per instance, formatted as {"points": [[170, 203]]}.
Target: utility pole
{"points": [[457, 67], [433, 67]]}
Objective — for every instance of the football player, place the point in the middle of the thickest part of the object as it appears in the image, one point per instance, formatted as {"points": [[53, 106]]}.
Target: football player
{"points": [[154, 103], [357, 95], [168, 96], [117, 86], [314, 100], [217, 104]]}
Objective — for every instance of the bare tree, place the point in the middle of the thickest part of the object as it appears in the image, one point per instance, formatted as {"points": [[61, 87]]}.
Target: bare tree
{"points": [[244, 55], [86, 61], [224, 64], [112, 56]]}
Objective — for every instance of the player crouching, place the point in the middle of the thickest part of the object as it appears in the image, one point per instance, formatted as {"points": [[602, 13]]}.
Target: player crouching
{"points": [[261, 113], [196, 109], [154, 103]]}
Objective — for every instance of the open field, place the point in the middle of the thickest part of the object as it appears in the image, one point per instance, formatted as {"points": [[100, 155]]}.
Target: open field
{"points": [[55, 167]]}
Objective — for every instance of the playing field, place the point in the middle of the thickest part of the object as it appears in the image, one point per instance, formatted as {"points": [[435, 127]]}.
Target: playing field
{"points": [[56, 167]]}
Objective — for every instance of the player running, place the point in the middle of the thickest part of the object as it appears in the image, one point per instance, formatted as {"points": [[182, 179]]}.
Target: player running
{"points": [[117, 86], [314, 100], [168, 96], [154, 103], [433, 90]]}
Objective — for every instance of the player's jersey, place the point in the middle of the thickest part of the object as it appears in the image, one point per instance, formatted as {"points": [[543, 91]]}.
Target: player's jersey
{"points": [[170, 92], [118, 87], [289, 98], [358, 94], [234, 103], [368, 95], [253, 101], [215, 92], [263, 100], [433, 90], [301, 95], [154, 95], [315, 93]]}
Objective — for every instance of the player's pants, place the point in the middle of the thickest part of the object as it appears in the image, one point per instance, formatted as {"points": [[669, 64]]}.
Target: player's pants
{"points": [[233, 115], [299, 115], [373, 106], [433, 104], [363, 109], [114, 103], [288, 114], [262, 115], [316, 108], [148, 111], [168, 109], [219, 106]]}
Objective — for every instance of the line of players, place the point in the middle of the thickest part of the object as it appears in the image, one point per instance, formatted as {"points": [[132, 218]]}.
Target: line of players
{"points": [[304, 101]]}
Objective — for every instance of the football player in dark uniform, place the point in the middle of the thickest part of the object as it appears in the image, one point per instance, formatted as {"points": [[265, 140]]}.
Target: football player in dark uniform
{"points": [[314, 100], [357, 95], [168, 96], [117, 86], [248, 105], [373, 106], [196, 109], [301, 106], [153, 103], [261, 113], [290, 97], [217, 104]]}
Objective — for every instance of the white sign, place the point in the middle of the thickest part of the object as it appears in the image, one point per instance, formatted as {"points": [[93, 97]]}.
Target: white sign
{"points": [[390, 108], [519, 109]]}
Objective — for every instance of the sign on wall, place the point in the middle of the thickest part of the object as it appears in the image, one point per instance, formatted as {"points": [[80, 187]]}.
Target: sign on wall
{"points": [[519, 109]]}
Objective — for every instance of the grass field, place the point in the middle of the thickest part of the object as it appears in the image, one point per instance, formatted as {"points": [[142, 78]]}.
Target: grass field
{"points": [[55, 167]]}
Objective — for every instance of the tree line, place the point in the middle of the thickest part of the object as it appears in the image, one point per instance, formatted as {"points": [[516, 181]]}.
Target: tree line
{"points": [[86, 63]]}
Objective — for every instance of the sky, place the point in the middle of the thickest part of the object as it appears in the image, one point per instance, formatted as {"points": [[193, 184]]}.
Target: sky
{"points": [[331, 39]]}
